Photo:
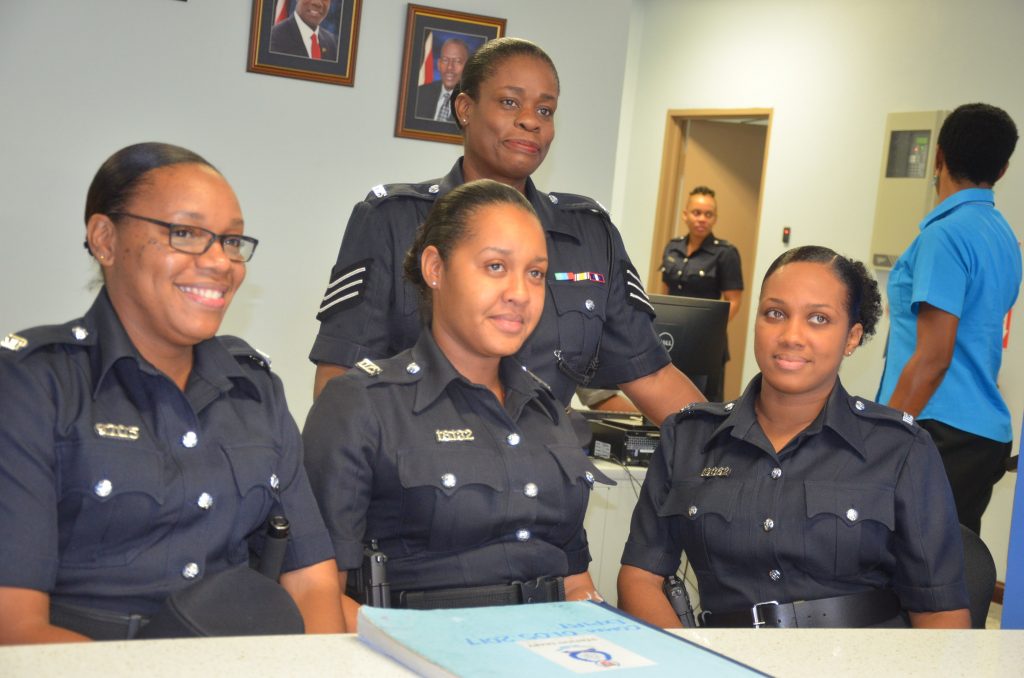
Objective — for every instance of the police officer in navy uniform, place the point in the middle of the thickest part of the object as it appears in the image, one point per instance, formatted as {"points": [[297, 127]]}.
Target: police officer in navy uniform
{"points": [[798, 505], [142, 454], [596, 329], [703, 266], [456, 461]]}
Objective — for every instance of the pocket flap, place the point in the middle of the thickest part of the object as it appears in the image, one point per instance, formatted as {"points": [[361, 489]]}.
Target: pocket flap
{"points": [[109, 471], [574, 296], [252, 466], [851, 502], [695, 498], [450, 469], [575, 464]]}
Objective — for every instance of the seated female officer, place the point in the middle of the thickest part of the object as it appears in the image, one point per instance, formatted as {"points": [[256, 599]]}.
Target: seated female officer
{"points": [[453, 458], [140, 451], [798, 504]]}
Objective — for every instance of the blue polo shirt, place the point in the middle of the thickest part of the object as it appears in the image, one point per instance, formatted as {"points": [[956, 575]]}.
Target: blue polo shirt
{"points": [[967, 262]]}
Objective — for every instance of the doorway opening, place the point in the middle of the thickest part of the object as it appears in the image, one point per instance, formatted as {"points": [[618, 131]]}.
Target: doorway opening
{"points": [[727, 150]]}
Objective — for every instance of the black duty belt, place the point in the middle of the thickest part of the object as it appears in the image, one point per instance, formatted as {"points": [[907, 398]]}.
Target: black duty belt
{"points": [[540, 590], [97, 624], [853, 611]]}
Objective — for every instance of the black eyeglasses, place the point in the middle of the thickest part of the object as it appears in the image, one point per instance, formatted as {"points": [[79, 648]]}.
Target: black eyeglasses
{"points": [[197, 240]]}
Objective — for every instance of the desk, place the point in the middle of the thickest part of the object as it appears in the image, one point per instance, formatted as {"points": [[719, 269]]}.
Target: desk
{"points": [[796, 652]]}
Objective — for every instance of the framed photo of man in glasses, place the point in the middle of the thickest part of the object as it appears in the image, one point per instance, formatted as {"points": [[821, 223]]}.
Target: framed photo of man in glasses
{"points": [[307, 39], [438, 42]]}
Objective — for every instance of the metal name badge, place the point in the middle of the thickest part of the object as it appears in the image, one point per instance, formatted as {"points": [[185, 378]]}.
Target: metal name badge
{"points": [[119, 431], [716, 472], [12, 342], [453, 435]]}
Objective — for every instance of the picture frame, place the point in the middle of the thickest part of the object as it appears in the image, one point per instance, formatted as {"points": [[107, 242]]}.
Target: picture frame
{"points": [[279, 42], [435, 41]]}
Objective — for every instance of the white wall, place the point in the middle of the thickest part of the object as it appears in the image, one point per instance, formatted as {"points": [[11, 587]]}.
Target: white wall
{"points": [[831, 72], [82, 79]]}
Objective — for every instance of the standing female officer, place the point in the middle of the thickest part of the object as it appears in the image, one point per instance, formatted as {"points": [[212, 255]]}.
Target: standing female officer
{"points": [[596, 328], [452, 457], [798, 504], [140, 451]]}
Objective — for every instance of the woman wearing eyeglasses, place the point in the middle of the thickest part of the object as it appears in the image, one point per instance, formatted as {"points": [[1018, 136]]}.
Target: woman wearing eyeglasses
{"points": [[141, 453]]}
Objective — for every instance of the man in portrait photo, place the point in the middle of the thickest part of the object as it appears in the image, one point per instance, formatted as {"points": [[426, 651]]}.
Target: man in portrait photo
{"points": [[301, 34], [433, 100]]}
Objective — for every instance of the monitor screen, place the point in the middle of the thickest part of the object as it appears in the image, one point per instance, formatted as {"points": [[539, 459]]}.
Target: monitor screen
{"points": [[693, 332]]}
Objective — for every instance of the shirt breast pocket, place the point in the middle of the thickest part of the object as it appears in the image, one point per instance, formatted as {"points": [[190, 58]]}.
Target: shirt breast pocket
{"points": [[256, 472], [114, 494], [451, 498], [703, 512], [849, 526], [580, 308]]}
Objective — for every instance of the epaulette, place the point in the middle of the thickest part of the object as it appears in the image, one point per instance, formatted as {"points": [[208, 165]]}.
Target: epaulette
{"points": [[543, 384], [721, 242], [28, 341], [872, 410], [424, 191], [396, 370], [713, 409], [243, 352], [571, 201]]}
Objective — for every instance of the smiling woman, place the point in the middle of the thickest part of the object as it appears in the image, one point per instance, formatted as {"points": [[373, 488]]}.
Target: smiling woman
{"points": [[143, 454], [451, 458], [798, 504]]}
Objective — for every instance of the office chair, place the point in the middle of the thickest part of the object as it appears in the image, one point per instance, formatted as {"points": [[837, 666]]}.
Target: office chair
{"points": [[980, 573]]}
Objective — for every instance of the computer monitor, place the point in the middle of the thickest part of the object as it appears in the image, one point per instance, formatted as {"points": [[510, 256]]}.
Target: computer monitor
{"points": [[693, 332]]}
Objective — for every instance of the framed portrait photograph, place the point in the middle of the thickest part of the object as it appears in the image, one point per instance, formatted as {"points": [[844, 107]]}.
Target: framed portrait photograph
{"points": [[437, 44], [305, 39]]}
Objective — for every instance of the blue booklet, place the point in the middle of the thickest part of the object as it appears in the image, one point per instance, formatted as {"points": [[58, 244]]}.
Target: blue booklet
{"points": [[545, 639]]}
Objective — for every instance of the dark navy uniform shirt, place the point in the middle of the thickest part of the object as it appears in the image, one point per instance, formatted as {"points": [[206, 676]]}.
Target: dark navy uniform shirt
{"points": [[457, 490], [116, 488], [596, 305], [713, 268], [859, 500]]}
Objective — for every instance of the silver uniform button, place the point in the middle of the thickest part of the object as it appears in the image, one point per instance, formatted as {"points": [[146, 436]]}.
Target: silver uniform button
{"points": [[80, 333], [590, 477], [523, 534], [190, 439], [512, 439], [692, 511], [205, 501], [412, 368], [769, 524], [530, 490], [275, 482], [852, 515], [776, 473], [729, 406], [553, 199], [859, 405], [774, 575], [103, 488], [434, 188], [190, 571], [590, 305], [448, 480]]}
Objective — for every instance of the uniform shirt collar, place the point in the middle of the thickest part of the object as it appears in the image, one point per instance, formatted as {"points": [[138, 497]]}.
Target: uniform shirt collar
{"points": [[837, 415], [213, 363], [438, 373], [541, 201], [957, 200]]}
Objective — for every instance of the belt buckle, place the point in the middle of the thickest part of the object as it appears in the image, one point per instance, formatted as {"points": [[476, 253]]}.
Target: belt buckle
{"points": [[758, 622], [530, 590]]}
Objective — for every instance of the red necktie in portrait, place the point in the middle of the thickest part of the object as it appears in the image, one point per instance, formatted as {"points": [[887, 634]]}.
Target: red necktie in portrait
{"points": [[315, 50]]}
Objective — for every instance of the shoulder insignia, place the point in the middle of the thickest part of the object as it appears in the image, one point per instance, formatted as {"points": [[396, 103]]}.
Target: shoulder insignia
{"points": [[347, 288], [370, 367], [636, 295], [12, 342], [382, 192], [379, 190], [543, 384], [717, 409]]}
